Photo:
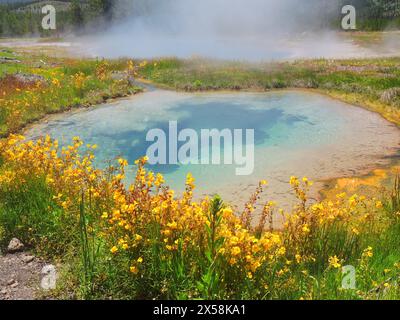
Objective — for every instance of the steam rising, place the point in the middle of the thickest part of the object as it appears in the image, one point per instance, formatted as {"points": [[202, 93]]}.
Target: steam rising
{"points": [[223, 29]]}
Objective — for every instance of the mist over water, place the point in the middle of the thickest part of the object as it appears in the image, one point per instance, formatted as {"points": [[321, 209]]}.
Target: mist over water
{"points": [[222, 29]]}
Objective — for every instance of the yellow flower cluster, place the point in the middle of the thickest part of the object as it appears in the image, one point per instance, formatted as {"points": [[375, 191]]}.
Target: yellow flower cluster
{"points": [[147, 216], [243, 248], [42, 96], [102, 70], [69, 173], [79, 80], [352, 212]]}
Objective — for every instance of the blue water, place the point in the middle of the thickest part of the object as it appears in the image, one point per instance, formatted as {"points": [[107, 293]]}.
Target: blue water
{"points": [[295, 133]]}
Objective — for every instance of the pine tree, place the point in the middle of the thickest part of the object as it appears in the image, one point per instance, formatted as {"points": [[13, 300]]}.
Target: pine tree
{"points": [[77, 14], [102, 8]]}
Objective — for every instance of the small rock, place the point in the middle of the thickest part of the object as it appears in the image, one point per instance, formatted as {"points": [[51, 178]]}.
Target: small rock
{"points": [[10, 282], [118, 76], [15, 246], [9, 60], [28, 259], [131, 81], [49, 277], [3, 292], [390, 95], [8, 51], [14, 285], [29, 78]]}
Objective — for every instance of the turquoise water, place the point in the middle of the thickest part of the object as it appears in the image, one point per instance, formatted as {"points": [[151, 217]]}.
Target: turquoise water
{"points": [[295, 134]]}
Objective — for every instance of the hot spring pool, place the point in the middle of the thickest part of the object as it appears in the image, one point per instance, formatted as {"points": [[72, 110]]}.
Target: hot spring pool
{"points": [[295, 134]]}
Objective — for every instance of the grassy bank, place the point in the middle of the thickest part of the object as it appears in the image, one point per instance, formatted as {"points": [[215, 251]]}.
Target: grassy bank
{"points": [[371, 83], [33, 85]]}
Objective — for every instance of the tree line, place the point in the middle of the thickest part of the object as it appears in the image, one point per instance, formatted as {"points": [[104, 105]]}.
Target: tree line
{"points": [[86, 15], [376, 14], [76, 18]]}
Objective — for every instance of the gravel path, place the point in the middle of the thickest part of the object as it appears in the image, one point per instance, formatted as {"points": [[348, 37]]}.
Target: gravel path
{"points": [[19, 276]]}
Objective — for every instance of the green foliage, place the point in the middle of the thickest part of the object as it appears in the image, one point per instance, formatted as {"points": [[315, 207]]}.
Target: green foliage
{"points": [[210, 284], [80, 13], [52, 96], [90, 248], [371, 14], [29, 213], [77, 15]]}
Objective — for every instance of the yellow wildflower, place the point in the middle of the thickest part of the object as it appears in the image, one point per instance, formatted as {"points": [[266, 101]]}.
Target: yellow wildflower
{"points": [[134, 270], [334, 262], [114, 250]]}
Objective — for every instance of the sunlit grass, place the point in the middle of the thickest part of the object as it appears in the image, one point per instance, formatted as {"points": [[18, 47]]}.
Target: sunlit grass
{"points": [[61, 84]]}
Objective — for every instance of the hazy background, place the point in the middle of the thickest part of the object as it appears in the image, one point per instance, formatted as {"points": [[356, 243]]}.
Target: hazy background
{"points": [[224, 29], [234, 29]]}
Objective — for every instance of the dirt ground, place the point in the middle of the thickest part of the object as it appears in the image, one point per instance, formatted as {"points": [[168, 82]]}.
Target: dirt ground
{"points": [[19, 276]]}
